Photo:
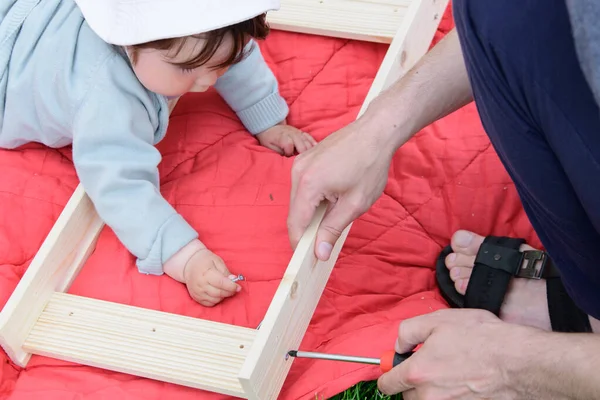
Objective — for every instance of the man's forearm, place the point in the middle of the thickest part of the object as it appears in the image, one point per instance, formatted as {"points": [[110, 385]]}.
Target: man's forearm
{"points": [[435, 87], [559, 366]]}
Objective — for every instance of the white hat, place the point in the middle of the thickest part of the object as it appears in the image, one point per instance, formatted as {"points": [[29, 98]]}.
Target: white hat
{"points": [[127, 22]]}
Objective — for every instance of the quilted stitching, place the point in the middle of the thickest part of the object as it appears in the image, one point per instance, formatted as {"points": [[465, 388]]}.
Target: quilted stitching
{"points": [[236, 194]]}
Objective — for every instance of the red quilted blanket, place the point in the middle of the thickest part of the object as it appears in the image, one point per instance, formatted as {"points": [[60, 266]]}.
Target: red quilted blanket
{"points": [[236, 194]]}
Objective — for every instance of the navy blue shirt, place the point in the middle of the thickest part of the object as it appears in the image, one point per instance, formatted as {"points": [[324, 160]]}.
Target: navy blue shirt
{"points": [[537, 107]]}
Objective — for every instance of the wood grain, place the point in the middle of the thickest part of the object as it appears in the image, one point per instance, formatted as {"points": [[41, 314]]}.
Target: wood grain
{"points": [[64, 251], [265, 370], [241, 362], [147, 343], [368, 20]]}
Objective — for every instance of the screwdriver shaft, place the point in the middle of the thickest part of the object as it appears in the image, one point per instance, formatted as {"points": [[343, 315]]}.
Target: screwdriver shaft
{"points": [[335, 357]]}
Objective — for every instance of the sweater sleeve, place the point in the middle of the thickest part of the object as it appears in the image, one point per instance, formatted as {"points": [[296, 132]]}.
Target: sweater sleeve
{"points": [[114, 133], [252, 91]]}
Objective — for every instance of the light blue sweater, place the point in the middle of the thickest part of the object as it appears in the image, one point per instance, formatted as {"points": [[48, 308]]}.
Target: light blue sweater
{"points": [[60, 84]]}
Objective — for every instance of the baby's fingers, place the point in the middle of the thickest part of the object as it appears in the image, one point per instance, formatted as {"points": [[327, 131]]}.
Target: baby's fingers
{"points": [[302, 142], [273, 147], [287, 143], [206, 300], [310, 139], [201, 295], [217, 293], [220, 285]]}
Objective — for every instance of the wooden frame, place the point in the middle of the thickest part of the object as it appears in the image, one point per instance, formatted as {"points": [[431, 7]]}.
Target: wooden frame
{"points": [[40, 318], [368, 20]]}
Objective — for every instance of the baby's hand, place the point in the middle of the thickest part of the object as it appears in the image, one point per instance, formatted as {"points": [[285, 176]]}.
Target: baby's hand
{"points": [[284, 139], [207, 278]]}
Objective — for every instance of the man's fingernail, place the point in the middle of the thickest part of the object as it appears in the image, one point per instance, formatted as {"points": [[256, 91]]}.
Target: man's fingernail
{"points": [[232, 276], [238, 289], [452, 258], [324, 249], [463, 239]]}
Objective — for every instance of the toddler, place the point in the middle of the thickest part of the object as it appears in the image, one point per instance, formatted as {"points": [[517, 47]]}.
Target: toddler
{"points": [[99, 74]]}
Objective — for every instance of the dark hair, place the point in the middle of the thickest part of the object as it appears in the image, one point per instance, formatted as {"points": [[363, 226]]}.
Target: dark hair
{"points": [[256, 28]]}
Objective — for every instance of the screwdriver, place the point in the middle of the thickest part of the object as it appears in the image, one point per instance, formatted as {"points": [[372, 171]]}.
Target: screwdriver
{"points": [[387, 361]]}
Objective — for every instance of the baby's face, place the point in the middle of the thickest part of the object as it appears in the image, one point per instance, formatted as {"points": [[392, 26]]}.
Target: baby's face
{"points": [[156, 70]]}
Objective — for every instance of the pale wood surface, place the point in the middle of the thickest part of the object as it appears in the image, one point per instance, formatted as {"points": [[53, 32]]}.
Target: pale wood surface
{"points": [[369, 20], [192, 352], [266, 368], [288, 316], [54, 267], [411, 42], [152, 344]]}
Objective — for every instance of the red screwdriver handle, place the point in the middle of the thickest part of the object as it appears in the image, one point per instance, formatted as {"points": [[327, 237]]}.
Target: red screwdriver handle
{"points": [[390, 359]]}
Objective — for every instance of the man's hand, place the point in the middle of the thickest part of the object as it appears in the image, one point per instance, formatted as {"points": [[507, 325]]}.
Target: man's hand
{"points": [[466, 354], [350, 169], [285, 139], [208, 279]]}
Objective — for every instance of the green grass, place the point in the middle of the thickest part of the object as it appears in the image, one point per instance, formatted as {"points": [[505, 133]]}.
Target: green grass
{"points": [[365, 391]]}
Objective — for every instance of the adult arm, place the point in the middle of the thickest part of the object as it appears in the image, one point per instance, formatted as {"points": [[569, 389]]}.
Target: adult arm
{"points": [[350, 167], [471, 354], [435, 87], [251, 89], [115, 129]]}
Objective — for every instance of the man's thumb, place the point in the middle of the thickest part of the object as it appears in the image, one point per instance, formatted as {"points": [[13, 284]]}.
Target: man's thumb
{"points": [[336, 219]]}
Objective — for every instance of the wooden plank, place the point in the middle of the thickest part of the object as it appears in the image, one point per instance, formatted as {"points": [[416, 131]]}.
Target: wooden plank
{"points": [[102, 334], [56, 264], [411, 42], [62, 254], [288, 316], [147, 343], [368, 20], [266, 368]]}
